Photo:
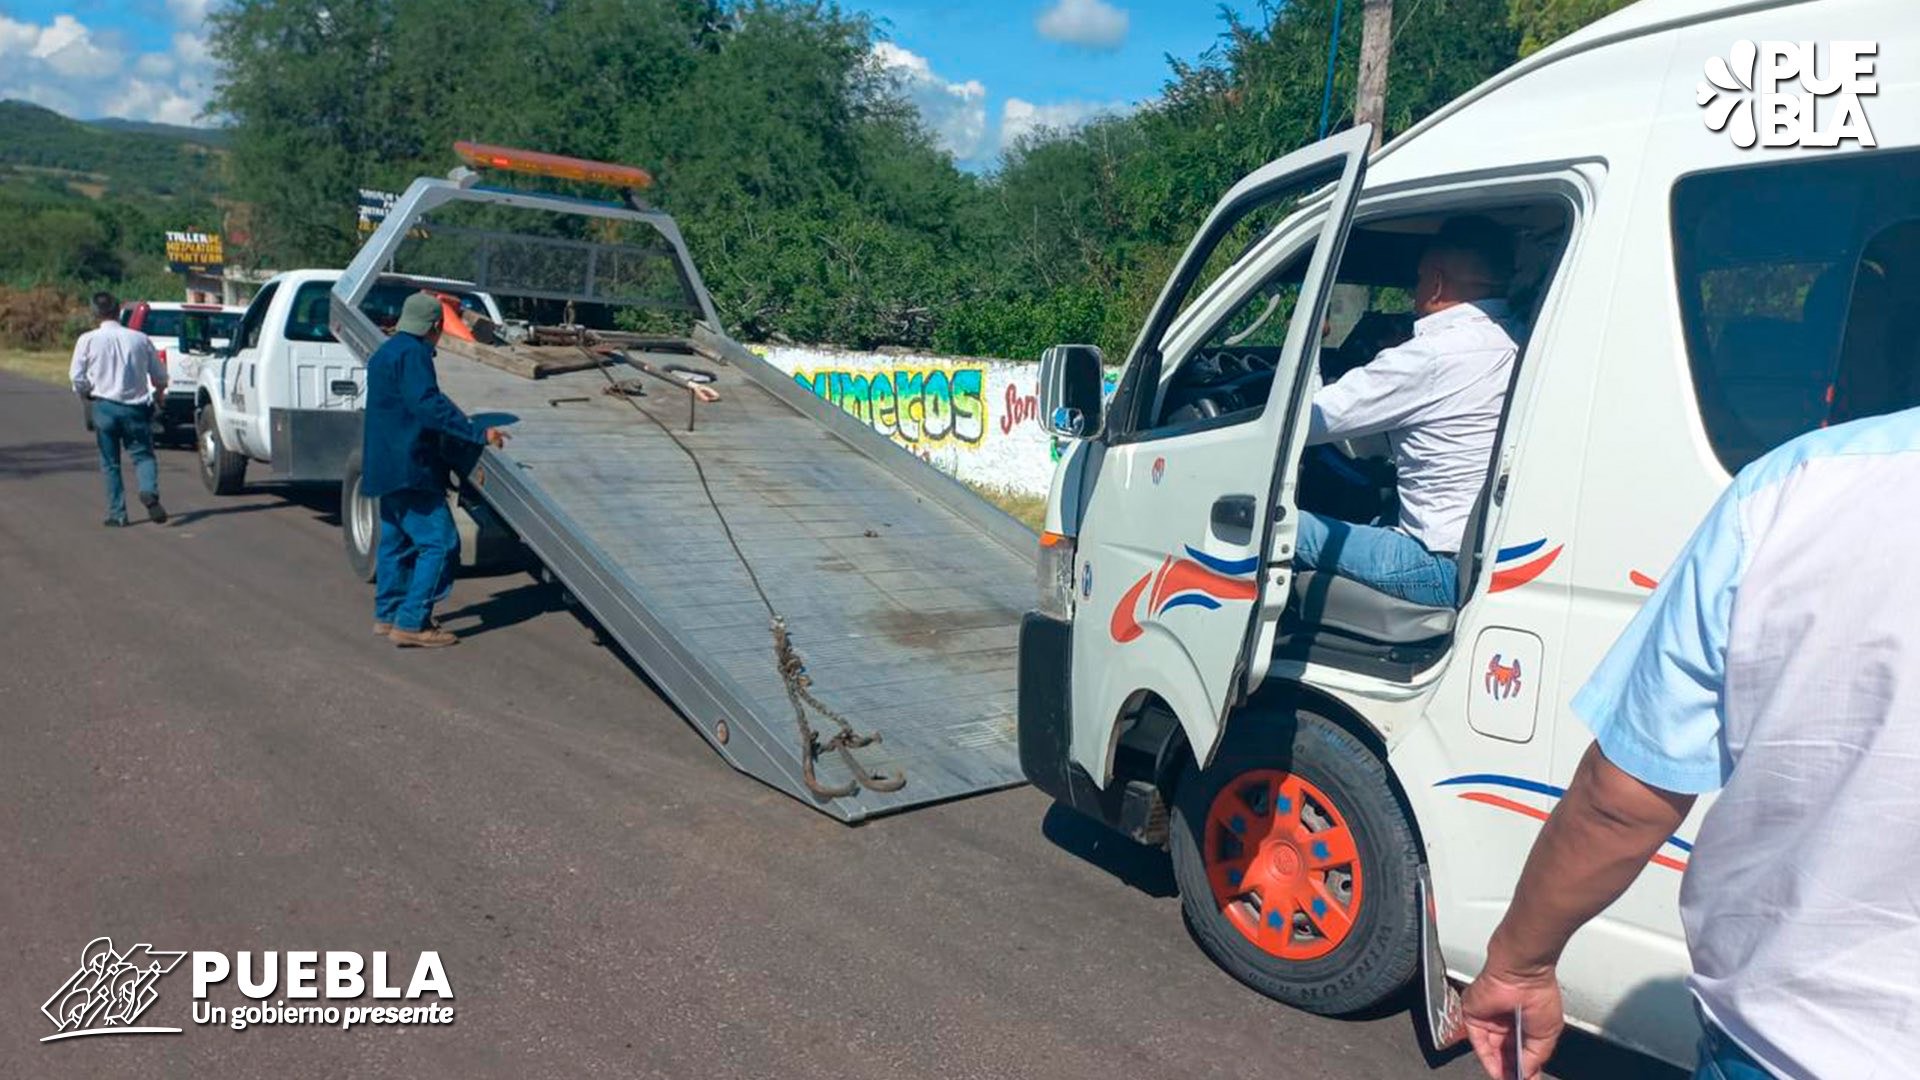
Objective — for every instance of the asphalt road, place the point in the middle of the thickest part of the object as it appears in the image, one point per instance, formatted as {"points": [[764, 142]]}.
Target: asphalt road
{"points": [[202, 746]]}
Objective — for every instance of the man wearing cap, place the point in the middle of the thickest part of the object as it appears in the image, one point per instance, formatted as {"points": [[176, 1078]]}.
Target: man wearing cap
{"points": [[402, 466]]}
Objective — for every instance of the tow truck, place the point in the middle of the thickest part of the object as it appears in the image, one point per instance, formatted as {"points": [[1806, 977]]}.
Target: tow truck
{"points": [[836, 617]]}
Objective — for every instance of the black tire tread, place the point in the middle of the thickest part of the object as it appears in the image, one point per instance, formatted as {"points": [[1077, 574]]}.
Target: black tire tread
{"points": [[361, 563], [1383, 957], [227, 474]]}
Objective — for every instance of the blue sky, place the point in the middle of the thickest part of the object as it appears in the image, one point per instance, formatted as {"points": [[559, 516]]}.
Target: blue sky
{"points": [[982, 72]]}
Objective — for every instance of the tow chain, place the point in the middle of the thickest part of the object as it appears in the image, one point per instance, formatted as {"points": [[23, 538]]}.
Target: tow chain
{"points": [[786, 657], [793, 672]]}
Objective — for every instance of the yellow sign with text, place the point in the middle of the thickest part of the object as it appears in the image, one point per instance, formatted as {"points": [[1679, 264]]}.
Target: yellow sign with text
{"points": [[194, 253]]}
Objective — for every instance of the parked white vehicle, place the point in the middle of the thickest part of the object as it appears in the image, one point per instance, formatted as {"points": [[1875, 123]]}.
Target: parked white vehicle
{"points": [[285, 393], [1311, 749], [186, 335]]}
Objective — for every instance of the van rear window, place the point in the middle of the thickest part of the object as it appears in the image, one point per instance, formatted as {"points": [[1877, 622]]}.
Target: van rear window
{"points": [[1791, 278]]}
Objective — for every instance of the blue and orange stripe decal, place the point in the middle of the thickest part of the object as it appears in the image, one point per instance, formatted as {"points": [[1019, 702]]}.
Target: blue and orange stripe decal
{"points": [[1516, 565], [1535, 787]]}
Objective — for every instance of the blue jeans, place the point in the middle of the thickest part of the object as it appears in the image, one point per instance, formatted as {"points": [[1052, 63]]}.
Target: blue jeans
{"points": [[1382, 558], [1722, 1059], [419, 550], [116, 425]]}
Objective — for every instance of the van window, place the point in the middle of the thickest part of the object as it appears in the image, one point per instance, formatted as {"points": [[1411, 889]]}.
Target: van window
{"points": [[1789, 277]]}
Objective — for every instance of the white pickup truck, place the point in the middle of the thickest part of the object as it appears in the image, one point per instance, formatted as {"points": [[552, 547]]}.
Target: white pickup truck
{"points": [[285, 393], [185, 335]]}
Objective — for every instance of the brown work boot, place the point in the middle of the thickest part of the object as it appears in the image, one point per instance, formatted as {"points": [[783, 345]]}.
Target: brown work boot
{"points": [[382, 629], [430, 638]]}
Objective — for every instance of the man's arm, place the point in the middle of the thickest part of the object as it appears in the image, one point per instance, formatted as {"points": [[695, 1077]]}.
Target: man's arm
{"points": [[1378, 396], [77, 372], [156, 372], [1654, 708], [1591, 849]]}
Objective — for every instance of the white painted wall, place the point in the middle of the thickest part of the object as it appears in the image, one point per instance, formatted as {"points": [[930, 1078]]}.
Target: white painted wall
{"points": [[975, 418]]}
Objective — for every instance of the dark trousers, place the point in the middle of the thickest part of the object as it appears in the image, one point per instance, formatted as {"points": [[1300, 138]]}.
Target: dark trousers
{"points": [[116, 425], [419, 550]]}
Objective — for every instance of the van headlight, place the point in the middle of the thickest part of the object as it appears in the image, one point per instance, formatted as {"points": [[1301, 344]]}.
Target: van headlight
{"points": [[1054, 575]]}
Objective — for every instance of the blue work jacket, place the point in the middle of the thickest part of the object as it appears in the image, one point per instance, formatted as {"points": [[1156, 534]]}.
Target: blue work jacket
{"points": [[406, 418]]}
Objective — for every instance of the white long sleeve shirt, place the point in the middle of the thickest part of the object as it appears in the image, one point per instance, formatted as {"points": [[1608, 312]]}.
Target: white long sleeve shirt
{"points": [[1437, 398], [116, 364]]}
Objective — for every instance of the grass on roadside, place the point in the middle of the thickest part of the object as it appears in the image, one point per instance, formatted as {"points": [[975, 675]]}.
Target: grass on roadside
{"points": [[48, 366], [1030, 510]]}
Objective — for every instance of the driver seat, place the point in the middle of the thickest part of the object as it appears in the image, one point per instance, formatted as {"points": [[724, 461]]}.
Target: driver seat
{"points": [[1346, 606], [1328, 601]]}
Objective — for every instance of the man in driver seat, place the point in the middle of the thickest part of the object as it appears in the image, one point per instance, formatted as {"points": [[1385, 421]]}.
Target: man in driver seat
{"points": [[1438, 399]]}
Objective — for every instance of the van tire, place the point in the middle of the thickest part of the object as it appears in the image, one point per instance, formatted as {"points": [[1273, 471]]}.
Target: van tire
{"points": [[221, 470], [1377, 954], [359, 522]]}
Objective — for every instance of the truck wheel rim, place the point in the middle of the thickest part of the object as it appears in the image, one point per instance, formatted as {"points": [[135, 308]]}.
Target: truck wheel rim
{"points": [[1283, 864], [360, 510], [208, 448]]}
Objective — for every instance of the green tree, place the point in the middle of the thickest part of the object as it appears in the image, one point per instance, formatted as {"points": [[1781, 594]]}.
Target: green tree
{"points": [[1542, 22]]}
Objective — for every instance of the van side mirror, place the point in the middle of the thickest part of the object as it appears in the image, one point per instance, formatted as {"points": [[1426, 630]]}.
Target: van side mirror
{"points": [[1072, 398]]}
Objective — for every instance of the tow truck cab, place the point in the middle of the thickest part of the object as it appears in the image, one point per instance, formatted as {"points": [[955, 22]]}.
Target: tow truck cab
{"points": [[1310, 749], [285, 393]]}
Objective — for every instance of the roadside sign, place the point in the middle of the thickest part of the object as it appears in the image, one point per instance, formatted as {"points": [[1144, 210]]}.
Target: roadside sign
{"points": [[194, 253]]}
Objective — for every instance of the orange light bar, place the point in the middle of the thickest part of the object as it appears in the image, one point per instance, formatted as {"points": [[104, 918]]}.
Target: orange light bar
{"points": [[535, 163]]}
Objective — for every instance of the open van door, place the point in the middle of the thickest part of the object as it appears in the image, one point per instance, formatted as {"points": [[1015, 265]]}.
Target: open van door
{"points": [[1186, 541]]}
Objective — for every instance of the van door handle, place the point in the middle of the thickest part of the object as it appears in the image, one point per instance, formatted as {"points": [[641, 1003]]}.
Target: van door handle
{"points": [[1232, 519]]}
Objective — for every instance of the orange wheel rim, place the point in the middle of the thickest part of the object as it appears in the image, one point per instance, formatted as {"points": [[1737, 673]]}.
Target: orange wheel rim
{"points": [[1283, 864]]}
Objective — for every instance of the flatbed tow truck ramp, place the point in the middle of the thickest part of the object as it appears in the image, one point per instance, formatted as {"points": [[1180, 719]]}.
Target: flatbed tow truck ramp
{"points": [[835, 616]]}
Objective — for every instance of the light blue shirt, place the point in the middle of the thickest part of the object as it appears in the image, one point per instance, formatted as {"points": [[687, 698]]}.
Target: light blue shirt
{"points": [[1779, 661]]}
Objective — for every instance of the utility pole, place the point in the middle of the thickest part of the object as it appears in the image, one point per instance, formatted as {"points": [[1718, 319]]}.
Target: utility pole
{"points": [[1376, 43]]}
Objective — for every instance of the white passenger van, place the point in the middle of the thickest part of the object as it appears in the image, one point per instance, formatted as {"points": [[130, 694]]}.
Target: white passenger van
{"points": [[1310, 749]]}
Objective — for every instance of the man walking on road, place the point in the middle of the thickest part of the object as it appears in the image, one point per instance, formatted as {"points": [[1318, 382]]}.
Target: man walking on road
{"points": [[118, 373], [402, 466], [1779, 662]]}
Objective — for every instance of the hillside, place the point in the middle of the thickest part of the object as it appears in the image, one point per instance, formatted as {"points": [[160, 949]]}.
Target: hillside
{"points": [[118, 157], [213, 137]]}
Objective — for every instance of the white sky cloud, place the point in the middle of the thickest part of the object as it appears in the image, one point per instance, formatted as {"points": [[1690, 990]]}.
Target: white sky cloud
{"points": [[1092, 24], [956, 112], [68, 66], [1019, 118]]}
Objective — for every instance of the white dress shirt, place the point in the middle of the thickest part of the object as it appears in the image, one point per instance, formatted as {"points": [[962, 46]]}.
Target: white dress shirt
{"points": [[114, 363], [1437, 398]]}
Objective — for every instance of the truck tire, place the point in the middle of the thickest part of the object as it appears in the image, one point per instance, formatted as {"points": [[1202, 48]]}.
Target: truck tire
{"points": [[359, 521], [1296, 865], [221, 470]]}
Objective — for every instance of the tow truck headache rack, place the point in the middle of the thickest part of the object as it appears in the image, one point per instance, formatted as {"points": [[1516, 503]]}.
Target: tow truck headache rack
{"points": [[835, 616]]}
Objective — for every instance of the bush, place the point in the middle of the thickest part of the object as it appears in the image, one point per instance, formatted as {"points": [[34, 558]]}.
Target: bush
{"points": [[39, 318]]}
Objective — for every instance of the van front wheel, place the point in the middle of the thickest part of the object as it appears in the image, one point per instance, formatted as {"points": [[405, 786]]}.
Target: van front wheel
{"points": [[1296, 865]]}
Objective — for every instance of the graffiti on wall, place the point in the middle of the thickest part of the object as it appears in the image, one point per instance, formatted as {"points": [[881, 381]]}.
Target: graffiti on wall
{"points": [[974, 417], [920, 406]]}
